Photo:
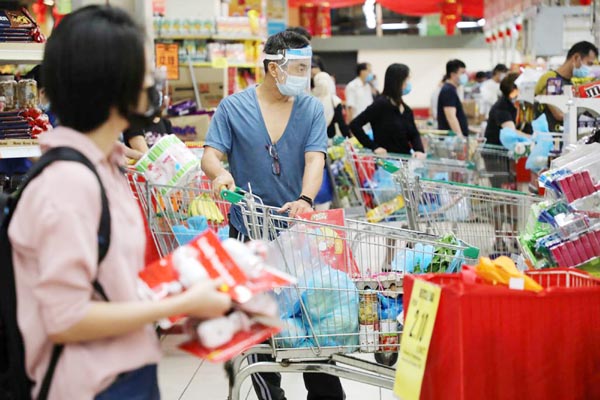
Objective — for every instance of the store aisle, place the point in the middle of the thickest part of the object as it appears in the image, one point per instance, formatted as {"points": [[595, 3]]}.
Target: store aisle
{"points": [[182, 377]]}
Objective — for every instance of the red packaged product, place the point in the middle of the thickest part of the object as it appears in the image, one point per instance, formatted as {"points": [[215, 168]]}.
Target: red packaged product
{"points": [[587, 247], [574, 252], [588, 182], [589, 90], [566, 189], [557, 254]]}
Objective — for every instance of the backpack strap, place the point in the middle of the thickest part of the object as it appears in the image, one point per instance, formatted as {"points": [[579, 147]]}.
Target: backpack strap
{"points": [[70, 154]]}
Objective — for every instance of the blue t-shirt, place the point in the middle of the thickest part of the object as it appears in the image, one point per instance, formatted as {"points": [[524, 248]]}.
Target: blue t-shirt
{"points": [[238, 130]]}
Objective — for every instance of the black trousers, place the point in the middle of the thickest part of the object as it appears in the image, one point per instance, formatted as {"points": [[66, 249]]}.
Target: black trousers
{"points": [[267, 385]]}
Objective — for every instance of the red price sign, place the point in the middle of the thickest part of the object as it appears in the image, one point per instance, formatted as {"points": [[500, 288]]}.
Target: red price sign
{"points": [[167, 55]]}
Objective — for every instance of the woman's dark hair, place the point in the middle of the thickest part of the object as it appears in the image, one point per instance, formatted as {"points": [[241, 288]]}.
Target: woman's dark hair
{"points": [[361, 67], [453, 66], [508, 84], [395, 75], [94, 60], [318, 62], [277, 43]]}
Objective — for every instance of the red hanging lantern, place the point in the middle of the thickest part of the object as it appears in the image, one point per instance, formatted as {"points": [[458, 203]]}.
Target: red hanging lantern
{"points": [[585, 2], [451, 12]]}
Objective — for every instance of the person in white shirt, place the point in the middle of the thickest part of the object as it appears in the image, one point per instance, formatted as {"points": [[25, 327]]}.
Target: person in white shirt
{"points": [[359, 92], [490, 90]]}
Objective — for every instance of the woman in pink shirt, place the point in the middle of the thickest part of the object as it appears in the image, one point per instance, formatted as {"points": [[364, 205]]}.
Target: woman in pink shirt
{"points": [[96, 78]]}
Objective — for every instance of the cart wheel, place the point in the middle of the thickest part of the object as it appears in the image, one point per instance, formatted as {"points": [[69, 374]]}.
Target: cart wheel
{"points": [[388, 358]]}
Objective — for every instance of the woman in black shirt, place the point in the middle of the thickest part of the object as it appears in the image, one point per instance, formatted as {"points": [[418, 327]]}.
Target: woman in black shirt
{"points": [[393, 122]]}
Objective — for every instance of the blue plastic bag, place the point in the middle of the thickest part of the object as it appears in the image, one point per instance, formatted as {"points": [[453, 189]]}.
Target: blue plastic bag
{"points": [[329, 304], [540, 124], [538, 159], [509, 138], [389, 307], [406, 260]]}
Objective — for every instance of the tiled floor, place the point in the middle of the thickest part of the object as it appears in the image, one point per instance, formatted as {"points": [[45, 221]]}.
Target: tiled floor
{"points": [[185, 377]]}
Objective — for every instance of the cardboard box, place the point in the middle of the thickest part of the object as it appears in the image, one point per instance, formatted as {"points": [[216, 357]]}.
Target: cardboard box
{"points": [[471, 108], [191, 128]]}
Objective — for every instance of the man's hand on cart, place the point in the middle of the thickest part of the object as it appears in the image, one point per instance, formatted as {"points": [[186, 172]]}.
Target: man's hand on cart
{"points": [[296, 208], [223, 181], [419, 155], [380, 151], [204, 300]]}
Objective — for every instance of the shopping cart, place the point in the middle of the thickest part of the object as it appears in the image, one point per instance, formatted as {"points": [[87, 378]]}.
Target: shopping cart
{"points": [[490, 219], [452, 147], [177, 214], [370, 176], [348, 294], [496, 166]]}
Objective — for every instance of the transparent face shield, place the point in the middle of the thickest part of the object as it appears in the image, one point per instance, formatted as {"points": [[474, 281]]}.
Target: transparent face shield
{"points": [[294, 68]]}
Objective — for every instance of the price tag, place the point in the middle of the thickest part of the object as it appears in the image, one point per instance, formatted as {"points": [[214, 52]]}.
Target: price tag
{"points": [[167, 55], [219, 62], [416, 337]]}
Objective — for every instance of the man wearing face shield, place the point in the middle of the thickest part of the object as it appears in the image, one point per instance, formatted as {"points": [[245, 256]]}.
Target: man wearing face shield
{"points": [[274, 138]]}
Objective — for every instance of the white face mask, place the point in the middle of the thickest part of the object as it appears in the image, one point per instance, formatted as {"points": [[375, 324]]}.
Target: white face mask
{"points": [[294, 85]]}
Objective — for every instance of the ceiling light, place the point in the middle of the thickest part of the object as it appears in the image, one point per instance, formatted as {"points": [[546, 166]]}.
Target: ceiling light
{"points": [[395, 26], [467, 24]]}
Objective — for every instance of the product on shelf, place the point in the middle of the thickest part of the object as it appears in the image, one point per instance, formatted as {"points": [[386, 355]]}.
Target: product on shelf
{"points": [[19, 26], [8, 90], [26, 124], [27, 94]]}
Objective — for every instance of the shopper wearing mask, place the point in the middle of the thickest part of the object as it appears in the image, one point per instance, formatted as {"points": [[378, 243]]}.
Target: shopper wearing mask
{"points": [[579, 58], [393, 122], [490, 89], [274, 138], [451, 115], [359, 92], [324, 90], [97, 80]]}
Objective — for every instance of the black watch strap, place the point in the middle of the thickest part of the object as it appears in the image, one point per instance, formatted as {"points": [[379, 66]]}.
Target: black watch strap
{"points": [[307, 199]]}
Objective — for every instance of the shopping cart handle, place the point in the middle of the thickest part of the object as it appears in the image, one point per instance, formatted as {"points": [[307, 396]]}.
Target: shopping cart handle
{"points": [[233, 196]]}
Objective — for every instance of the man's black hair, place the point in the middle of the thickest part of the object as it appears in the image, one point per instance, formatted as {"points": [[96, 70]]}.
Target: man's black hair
{"points": [[94, 60], [361, 67], [453, 66], [395, 75], [301, 31], [500, 69], [583, 49], [508, 84], [480, 75], [277, 43]]}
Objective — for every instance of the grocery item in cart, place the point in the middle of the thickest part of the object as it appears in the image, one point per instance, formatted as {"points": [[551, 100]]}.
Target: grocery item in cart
{"points": [[169, 162], [502, 271]]}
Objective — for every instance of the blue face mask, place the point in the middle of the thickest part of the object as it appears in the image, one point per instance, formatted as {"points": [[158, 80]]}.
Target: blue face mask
{"points": [[370, 77], [582, 72], [463, 79], [293, 86], [407, 89]]}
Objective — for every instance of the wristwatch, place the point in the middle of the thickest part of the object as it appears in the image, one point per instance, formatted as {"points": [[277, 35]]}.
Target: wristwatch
{"points": [[307, 199]]}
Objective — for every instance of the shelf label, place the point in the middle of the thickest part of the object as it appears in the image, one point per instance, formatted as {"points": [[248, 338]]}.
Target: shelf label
{"points": [[167, 55], [219, 62], [416, 338]]}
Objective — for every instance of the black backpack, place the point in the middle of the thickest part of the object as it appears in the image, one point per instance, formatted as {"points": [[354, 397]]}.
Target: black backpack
{"points": [[14, 382]]}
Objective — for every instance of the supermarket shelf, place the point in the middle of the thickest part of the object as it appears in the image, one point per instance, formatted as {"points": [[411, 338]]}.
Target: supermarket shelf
{"points": [[234, 65], [560, 102], [21, 53], [211, 37], [19, 149]]}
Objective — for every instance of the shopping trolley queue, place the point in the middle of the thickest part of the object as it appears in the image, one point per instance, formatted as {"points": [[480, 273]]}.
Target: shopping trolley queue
{"points": [[433, 195]]}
